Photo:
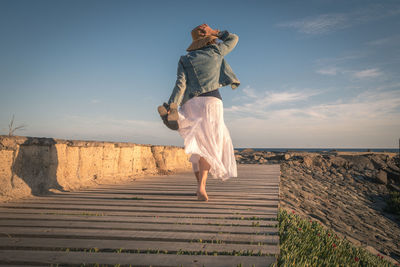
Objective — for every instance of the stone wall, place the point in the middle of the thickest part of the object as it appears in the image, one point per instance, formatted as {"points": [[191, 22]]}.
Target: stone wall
{"points": [[37, 166]]}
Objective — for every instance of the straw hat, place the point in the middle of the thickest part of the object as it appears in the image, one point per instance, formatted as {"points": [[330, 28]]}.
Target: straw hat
{"points": [[199, 38]]}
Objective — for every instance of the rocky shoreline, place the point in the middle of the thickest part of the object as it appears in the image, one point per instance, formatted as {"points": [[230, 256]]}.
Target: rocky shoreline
{"points": [[345, 191]]}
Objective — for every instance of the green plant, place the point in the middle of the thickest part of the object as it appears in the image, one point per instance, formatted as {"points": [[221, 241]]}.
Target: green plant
{"points": [[393, 203], [308, 243]]}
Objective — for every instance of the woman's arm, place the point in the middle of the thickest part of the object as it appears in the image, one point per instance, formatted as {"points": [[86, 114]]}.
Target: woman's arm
{"points": [[180, 85], [229, 41]]}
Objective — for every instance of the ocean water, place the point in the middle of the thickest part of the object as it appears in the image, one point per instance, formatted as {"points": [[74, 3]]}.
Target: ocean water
{"points": [[394, 150]]}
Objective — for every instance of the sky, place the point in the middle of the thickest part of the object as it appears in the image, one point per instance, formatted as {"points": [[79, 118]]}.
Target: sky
{"points": [[314, 74]]}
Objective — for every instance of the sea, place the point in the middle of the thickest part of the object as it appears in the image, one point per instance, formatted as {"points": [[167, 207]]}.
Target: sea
{"points": [[393, 150]]}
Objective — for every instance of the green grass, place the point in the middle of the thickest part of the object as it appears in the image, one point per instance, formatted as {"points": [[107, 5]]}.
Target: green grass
{"points": [[307, 243], [303, 242], [393, 203]]}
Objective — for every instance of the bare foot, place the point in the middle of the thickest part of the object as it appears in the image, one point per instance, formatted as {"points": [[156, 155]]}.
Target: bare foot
{"points": [[202, 194]]}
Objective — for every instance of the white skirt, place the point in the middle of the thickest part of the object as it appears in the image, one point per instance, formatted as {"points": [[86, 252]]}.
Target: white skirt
{"points": [[202, 126]]}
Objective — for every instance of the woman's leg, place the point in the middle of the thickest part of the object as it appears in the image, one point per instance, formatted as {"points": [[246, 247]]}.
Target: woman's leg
{"points": [[197, 174], [195, 167], [204, 167]]}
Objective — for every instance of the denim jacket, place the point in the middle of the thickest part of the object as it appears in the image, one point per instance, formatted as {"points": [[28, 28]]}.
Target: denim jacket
{"points": [[204, 70]]}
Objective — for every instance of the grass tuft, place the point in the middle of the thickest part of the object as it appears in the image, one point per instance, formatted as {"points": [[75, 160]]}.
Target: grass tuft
{"points": [[308, 243], [393, 203]]}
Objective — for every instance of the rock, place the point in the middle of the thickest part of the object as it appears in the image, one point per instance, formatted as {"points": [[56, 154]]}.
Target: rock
{"points": [[346, 195], [360, 163], [381, 177], [247, 151], [393, 166], [392, 175], [262, 160], [317, 161], [378, 161], [339, 162], [353, 240], [38, 165], [372, 250], [287, 156], [394, 187], [307, 161], [269, 154], [307, 195]]}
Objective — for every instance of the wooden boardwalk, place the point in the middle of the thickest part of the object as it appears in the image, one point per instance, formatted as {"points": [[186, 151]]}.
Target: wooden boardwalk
{"points": [[152, 221]]}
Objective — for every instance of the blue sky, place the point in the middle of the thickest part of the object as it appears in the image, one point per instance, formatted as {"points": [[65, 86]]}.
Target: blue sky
{"points": [[313, 73]]}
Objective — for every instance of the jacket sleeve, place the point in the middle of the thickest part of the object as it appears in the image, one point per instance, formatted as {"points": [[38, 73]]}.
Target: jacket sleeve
{"points": [[229, 41], [180, 85]]}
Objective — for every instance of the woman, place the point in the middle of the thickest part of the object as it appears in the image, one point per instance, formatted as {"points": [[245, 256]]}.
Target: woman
{"points": [[199, 119]]}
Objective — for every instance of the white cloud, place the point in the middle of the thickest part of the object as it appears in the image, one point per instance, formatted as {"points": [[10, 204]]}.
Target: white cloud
{"points": [[368, 73], [391, 40], [367, 120], [327, 71], [95, 101], [258, 104], [319, 24], [361, 74], [249, 92], [326, 23]]}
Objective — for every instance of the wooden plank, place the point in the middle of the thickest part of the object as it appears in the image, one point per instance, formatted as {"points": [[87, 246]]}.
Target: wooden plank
{"points": [[175, 214], [147, 203], [49, 257], [262, 181], [256, 180], [214, 199], [208, 209], [186, 188], [184, 183], [103, 244], [153, 220], [139, 226], [183, 193], [192, 184], [137, 235]]}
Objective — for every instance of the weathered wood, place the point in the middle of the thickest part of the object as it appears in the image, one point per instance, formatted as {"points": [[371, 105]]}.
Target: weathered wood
{"points": [[145, 187], [180, 193], [178, 236], [148, 215], [129, 245], [189, 197], [153, 203], [139, 226], [153, 220], [175, 214], [248, 211], [77, 258]]}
